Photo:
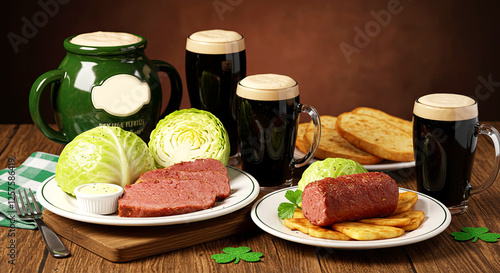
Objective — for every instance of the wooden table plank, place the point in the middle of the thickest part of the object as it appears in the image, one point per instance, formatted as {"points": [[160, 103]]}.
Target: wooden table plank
{"points": [[439, 254]]}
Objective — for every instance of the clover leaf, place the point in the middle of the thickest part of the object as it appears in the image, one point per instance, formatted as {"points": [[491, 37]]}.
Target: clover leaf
{"points": [[285, 210], [468, 233], [231, 253]]}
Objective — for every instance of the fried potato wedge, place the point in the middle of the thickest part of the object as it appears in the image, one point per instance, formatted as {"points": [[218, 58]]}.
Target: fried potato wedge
{"points": [[324, 233], [298, 213], [365, 232], [300, 224], [393, 222], [406, 201], [416, 216]]}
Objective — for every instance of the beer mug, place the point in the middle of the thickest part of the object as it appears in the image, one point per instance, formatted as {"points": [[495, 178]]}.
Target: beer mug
{"points": [[215, 63], [267, 112], [445, 132]]}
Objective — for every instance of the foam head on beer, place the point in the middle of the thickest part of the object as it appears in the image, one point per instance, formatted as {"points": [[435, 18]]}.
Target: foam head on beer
{"points": [[215, 41], [445, 107], [268, 87], [105, 39]]}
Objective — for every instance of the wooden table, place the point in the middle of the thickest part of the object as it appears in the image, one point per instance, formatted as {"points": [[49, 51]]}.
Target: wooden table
{"points": [[439, 254]]}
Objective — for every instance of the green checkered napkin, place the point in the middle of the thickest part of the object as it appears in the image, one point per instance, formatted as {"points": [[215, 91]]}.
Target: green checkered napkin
{"points": [[37, 168]]}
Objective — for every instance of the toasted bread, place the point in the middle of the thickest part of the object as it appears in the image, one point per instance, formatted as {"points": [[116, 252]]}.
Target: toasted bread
{"points": [[401, 123], [299, 142], [376, 136], [332, 144]]}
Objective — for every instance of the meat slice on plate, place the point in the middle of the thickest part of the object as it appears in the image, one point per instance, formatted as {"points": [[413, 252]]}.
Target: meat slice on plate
{"points": [[165, 197], [205, 170]]}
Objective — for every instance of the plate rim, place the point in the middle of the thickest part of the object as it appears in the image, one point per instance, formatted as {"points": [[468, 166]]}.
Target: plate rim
{"points": [[151, 221], [353, 245], [392, 166]]}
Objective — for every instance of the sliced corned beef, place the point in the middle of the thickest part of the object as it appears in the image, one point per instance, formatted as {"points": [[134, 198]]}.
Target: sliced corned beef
{"points": [[204, 170], [165, 197]]}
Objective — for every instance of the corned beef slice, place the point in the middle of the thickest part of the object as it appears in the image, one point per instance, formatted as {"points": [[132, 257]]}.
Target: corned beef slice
{"points": [[181, 188], [205, 170], [165, 197]]}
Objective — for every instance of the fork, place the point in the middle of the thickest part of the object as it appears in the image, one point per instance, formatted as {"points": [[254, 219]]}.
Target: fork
{"points": [[53, 243]]}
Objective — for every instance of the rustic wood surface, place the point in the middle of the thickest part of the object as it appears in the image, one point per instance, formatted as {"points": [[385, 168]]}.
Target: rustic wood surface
{"points": [[439, 254]]}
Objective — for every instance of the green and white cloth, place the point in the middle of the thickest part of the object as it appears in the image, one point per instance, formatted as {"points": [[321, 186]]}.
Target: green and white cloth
{"points": [[29, 175]]}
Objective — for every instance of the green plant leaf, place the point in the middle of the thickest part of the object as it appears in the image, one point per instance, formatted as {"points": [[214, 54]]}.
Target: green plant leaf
{"points": [[231, 253], [285, 210], [469, 233]]}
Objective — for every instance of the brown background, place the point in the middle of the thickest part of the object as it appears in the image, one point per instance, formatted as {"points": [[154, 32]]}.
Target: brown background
{"points": [[424, 47]]}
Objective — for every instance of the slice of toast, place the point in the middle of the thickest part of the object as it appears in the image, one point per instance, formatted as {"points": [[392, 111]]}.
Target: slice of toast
{"points": [[399, 122], [376, 136], [332, 145]]}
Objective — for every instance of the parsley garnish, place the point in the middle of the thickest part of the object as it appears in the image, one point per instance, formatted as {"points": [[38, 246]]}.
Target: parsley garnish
{"points": [[285, 210], [468, 233]]}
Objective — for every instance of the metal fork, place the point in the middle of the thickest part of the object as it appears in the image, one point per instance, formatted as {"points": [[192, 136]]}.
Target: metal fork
{"points": [[53, 243]]}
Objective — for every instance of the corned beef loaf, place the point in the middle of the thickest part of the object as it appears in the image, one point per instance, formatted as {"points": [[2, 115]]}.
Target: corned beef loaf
{"points": [[206, 170], [181, 188], [349, 198]]}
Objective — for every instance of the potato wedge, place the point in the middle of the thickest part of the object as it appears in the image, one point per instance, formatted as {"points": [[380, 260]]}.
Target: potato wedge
{"points": [[324, 233], [298, 213], [393, 222], [416, 216], [365, 232], [406, 201], [300, 224]]}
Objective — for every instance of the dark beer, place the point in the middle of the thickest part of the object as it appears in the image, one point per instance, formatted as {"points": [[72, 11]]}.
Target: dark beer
{"points": [[445, 130], [268, 131], [444, 154], [267, 111], [215, 63], [211, 81]]}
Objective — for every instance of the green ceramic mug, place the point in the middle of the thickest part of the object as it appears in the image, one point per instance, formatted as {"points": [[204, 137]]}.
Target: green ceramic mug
{"points": [[105, 79]]}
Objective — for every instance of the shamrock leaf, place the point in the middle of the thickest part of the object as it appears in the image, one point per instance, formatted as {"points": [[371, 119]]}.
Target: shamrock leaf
{"points": [[468, 233], [285, 210], [236, 254]]}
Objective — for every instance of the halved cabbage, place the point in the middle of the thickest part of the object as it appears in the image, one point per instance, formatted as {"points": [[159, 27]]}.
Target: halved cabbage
{"points": [[103, 155], [189, 134], [330, 167]]}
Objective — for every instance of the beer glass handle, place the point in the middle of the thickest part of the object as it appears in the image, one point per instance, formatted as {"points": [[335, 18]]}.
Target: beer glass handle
{"points": [[175, 86], [495, 136], [311, 111], [39, 85]]}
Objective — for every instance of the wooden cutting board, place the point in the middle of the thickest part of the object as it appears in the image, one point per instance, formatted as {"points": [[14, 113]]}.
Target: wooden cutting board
{"points": [[122, 244]]}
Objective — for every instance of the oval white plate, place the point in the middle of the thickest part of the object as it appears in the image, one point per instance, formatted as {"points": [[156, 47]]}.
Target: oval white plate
{"points": [[385, 165], [264, 213], [244, 190]]}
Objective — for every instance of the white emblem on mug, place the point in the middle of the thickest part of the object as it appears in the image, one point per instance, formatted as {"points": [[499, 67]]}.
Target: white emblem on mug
{"points": [[121, 95]]}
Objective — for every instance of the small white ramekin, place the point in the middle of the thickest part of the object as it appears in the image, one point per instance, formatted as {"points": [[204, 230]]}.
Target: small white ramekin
{"points": [[98, 203]]}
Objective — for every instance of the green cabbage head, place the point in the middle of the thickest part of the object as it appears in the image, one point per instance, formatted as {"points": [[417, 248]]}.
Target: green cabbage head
{"points": [[188, 134], [330, 167], [103, 155]]}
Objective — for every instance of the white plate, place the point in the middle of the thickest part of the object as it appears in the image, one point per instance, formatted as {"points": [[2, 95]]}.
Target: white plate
{"points": [[385, 165], [265, 215], [244, 190]]}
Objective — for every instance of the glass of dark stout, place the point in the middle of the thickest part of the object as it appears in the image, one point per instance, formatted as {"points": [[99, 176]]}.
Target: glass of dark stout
{"points": [[215, 63], [267, 112], [445, 132]]}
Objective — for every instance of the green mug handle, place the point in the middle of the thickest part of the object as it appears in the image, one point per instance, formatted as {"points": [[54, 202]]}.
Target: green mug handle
{"points": [[175, 86], [34, 104]]}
